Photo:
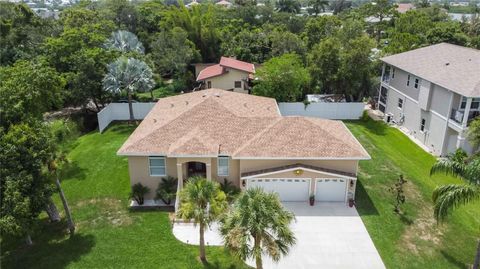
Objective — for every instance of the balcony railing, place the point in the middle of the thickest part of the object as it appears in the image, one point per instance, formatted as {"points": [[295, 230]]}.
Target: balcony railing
{"points": [[458, 116]]}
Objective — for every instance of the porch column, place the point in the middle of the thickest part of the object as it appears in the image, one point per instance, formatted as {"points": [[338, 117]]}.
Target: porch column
{"points": [[179, 185], [466, 112], [208, 170]]}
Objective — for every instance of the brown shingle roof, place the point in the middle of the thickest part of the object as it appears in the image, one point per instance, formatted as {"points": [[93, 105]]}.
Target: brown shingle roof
{"points": [[217, 122], [453, 67]]}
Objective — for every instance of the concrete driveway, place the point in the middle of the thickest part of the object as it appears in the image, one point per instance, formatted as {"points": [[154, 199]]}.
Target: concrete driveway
{"points": [[329, 235]]}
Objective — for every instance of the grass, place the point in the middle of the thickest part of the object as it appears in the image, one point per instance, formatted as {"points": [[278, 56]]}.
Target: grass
{"points": [[96, 184], [412, 239], [109, 235]]}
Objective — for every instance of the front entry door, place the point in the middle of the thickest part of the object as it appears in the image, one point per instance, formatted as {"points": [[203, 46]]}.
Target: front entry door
{"points": [[196, 169]]}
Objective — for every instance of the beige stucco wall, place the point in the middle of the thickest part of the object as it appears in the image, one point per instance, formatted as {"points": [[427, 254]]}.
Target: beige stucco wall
{"points": [[340, 165], [227, 81], [139, 170], [140, 173]]}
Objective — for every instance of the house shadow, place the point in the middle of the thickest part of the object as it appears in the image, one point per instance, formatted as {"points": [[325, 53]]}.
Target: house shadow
{"points": [[52, 248], [120, 127], [363, 203]]}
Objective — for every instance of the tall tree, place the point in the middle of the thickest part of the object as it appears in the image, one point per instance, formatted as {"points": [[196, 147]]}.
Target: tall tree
{"points": [[28, 89], [382, 11], [449, 197], [317, 6], [289, 6], [283, 78], [319, 28], [172, 52], [258, 224], [25, 189], [129, 75], [124, 41], [323, 63], [203, 201]]}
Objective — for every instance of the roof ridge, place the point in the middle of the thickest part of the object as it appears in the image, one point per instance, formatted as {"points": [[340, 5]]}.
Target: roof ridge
{"points": [[165, 123], [248, 142]]}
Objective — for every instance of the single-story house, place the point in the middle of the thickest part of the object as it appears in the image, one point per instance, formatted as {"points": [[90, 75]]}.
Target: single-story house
{"points": [[230, 74], [243, 138]]}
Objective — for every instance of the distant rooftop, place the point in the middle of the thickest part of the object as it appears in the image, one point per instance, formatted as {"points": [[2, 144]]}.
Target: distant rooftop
{"points": [[453, 67]]}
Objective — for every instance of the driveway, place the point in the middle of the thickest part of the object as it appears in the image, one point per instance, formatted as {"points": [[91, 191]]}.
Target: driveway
{"points": [[329, 235]]}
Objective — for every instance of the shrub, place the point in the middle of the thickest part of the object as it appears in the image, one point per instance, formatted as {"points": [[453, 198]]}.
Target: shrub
{"points": [[167, 189], [138, 193], [64, 130], [229, 189]]}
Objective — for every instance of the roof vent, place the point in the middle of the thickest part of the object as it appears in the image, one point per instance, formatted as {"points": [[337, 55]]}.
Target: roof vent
{"points": [[217, 94], [447, 63]]}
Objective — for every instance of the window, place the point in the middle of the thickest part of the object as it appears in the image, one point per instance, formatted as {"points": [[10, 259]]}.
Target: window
{"points": [[222, 167], [422, 125], [408, 80], [393, 72], [400, 103], [417, 81], [157, 166], [475, 103], [238, 84], [209, 84]]}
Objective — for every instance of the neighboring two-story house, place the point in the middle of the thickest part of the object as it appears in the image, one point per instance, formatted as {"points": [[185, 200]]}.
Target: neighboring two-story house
{"points": [[433, 93], [230, 74]]}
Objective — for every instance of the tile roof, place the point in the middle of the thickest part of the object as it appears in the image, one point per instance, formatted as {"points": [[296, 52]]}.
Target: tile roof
{"points": [[220, 69], [237, 64], [216, 122], [453, 67], [211, 71]]}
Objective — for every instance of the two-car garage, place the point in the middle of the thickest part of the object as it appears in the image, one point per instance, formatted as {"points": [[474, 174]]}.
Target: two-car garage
{"points": [[298, 189]]}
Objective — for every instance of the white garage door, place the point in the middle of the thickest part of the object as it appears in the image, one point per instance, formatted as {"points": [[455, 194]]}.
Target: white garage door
{"points": [[289, 189], [330, 190]]}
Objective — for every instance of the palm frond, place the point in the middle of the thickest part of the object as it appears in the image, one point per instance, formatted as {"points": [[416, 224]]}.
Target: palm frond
{"points": [[124, 41], [449, 197], [449, 167]]}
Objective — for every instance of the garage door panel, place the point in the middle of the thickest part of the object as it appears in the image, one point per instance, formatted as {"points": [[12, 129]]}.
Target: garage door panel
{"points": [[330, 189], [288, 189]]}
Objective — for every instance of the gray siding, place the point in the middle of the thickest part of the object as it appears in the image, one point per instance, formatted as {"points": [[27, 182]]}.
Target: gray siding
{"points": [[400, 83], [440, 100]]}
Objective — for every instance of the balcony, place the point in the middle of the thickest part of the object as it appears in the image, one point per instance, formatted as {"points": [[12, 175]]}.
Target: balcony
{"points": [[386, 79], [458, 115]]}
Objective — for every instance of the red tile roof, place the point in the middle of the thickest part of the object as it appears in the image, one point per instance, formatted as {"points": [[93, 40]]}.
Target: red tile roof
{"points": [[211, 71], [236, 64], [225, 62]]}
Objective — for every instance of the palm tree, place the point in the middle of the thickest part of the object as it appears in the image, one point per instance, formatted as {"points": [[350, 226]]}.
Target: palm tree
{"points": [[130, 75], [449, 197], [202, 201], [258, 224], [289, 6], [317, 6], [53, 169], [124, 41]]}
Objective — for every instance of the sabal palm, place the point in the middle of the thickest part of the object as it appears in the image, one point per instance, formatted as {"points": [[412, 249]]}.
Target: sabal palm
{"points": [[289, 6], [203, 201], [124, 41], [258, 224], [448, 197], [130, 75]]}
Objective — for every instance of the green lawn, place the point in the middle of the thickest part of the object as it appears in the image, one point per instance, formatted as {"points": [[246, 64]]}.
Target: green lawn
{"points": [[411, 240], [109, 236]]}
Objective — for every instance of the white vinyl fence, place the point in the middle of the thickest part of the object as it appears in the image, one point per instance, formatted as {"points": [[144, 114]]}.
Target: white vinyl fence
{"points": [[119, 111], [333, 111]]}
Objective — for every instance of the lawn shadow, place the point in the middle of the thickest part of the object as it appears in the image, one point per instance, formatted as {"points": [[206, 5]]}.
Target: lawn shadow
{"points": [[121, 127], [72, 170], [452, 260], [376, 127], [52, 248], [407, 220], [363, 203]]}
